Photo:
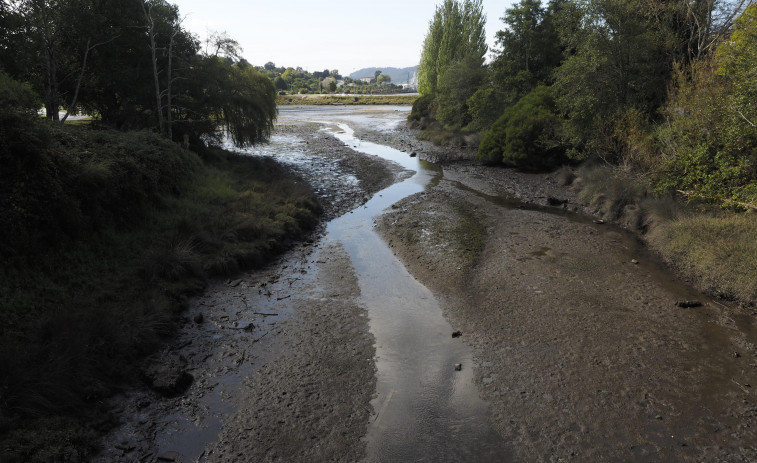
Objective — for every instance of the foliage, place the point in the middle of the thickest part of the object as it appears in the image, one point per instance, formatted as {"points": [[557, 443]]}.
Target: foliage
{"points": [[709, 145], [526, 135], [619, 64], [455, 88], [163, 81], [17, 96], [452, 60], [424, 107], [141, 224]]}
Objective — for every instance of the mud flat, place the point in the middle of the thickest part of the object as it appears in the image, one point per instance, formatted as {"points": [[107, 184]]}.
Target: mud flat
{"points": [[579, 347]]}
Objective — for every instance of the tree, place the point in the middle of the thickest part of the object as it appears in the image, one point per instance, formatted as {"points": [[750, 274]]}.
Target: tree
{"points": [[280, 83], [618, 64], [526, 135], [709, 142], [455, 44], [457, 31], [269, 66]]}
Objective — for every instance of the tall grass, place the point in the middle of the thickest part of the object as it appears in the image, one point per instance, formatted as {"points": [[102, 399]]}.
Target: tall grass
{"points": [[714, 246], [719, 249]]}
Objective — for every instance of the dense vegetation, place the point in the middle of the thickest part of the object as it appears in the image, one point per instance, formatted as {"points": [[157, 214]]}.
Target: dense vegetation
{"points": [[667, 89], [295, 81], [107, 227], [663, 94]]}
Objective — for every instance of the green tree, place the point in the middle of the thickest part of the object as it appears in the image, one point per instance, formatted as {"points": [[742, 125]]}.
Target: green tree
{"points": [[526, 135], [453, 56], [456, 33], [280, 83], [709, 141], [619, 63]]}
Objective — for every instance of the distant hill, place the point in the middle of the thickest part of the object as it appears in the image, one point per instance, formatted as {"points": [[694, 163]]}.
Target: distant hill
{"points": [[399, 76]]}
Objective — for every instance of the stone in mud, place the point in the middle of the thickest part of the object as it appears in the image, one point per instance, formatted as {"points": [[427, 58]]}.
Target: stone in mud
{"points": [[457, 334], [166, 375], [169, 456], [688, 304], [458, 366]]}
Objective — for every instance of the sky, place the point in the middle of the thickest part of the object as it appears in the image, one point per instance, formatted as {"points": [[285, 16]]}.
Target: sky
{"points": [[314, 35]]}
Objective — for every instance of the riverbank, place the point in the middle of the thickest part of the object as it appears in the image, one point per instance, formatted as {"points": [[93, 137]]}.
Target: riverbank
{"points": [[347, 99], [282, 357], [579, 346], [106, 236]]}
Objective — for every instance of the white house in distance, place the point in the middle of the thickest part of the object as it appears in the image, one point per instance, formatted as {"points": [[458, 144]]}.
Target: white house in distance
{"points": [[367, 80]]}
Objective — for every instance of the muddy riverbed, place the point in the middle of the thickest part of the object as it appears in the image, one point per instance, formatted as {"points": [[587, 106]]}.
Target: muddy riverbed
{"points": [[568, 345]]}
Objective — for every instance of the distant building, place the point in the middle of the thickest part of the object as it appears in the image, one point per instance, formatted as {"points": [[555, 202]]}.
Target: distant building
{"points": [[367, 80]]}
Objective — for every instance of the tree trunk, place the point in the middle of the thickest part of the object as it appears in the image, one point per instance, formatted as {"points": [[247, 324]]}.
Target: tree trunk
{"points": [[153, 49], [78, 81]]}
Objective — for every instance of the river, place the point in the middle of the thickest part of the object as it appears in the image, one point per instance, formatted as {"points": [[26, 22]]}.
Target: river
{"points": [[342, 350]]}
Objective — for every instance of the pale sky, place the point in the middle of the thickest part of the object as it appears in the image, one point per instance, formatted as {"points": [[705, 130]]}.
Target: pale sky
{"points": [[318, 35]]}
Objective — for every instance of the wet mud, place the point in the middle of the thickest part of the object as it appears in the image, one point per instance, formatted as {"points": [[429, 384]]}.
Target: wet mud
{"points": [[570, 345], [579, 346]]}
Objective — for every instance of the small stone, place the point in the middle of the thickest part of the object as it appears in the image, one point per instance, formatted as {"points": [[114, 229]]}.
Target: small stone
{"points": [[598, 221], [169, 456], [413, 154], [457, 334], [634, 261], [199, 318], [688, 304], [235, 283], [736, 355], [458, 366]]}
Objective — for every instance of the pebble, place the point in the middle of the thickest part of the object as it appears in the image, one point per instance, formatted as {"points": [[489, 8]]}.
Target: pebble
{"points": [[458, 366]]}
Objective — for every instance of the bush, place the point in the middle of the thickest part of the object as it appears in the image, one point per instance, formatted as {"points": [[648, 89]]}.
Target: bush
{"points": [[16, 96], [526, 135], [424, 107]]}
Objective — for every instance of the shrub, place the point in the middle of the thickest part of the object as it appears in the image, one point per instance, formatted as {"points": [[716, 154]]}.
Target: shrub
{"points": [[424, 107], [526, 135]]}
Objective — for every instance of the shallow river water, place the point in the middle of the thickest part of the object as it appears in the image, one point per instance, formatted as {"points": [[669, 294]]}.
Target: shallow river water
{"points": [[426, 405]]}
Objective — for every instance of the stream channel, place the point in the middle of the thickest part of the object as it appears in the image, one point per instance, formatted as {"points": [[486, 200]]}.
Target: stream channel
{"points": [[254, 372]]}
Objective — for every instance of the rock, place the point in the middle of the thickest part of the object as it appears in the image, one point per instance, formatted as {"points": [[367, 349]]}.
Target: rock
{"points": [[234, 283], [413, 154], [165, 375], [457, 334], [458, 366], [199, 318], [634, 261], [598, 221], [169, 456], [688, 304], [552, 201]]}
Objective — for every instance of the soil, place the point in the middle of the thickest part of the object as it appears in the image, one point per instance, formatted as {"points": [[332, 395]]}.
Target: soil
{"points": [[579, 348]]}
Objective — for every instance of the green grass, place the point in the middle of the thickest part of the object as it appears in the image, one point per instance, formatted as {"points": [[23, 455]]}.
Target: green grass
{"points": [[392, 100], [103, 237], [704, 241], [718, 249]]}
